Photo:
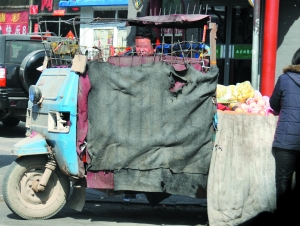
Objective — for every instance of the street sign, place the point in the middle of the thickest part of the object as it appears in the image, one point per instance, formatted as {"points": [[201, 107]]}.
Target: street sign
{"points": [[33, 9], [242, 51], [15, 22]]}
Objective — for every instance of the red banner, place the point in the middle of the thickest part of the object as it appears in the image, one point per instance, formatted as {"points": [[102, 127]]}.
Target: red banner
{"points": [[14, 22], [47, 4]]}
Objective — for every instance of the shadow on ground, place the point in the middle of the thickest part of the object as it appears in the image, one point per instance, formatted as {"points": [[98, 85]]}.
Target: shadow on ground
{"points": [[6, 160], [135, 214], [13, 132]]}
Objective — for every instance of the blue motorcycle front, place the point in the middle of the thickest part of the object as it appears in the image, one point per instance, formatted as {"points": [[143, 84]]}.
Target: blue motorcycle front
{"points": [[37, 184]]}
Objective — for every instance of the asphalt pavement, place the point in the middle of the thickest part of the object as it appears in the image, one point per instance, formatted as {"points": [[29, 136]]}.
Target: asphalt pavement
{"points": [[106, 210]]}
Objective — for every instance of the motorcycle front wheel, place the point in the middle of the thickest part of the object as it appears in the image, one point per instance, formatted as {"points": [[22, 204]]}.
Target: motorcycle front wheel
{"points": [[22, 200]]}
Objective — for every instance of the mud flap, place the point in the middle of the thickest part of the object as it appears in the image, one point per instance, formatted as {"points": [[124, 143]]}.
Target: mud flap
{"points": [[77, 199]]}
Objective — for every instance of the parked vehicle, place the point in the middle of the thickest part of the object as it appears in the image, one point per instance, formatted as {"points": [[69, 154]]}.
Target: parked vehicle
{"points": [[118, 127], [20, 56]]}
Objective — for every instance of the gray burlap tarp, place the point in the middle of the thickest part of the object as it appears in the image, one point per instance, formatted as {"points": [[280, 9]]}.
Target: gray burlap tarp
{"points": [[154, 140], [158, 141], [241, 181]]}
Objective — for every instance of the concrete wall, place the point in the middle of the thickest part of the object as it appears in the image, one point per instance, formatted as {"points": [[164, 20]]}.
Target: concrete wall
{"points": [[86, 34], [288, 34]]}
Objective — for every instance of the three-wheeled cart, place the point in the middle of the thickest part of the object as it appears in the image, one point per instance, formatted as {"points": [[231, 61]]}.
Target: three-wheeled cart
{"points": [[133, 124]]}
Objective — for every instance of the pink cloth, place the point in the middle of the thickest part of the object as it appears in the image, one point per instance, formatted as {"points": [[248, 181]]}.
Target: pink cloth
{"points": [[82, 120]]}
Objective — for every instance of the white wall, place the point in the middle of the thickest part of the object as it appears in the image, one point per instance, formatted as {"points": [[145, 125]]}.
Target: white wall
{"points": [[87, 30], [288, 34], [86, 33]]}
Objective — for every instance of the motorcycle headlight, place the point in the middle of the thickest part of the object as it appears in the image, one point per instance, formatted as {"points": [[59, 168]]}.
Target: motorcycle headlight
{"points": [[35, 94]]}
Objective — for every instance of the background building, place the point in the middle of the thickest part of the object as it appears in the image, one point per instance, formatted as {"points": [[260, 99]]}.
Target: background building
{"points": [[278, 23], [234, 19], [106, 31], [278, 28], [22, 16]]}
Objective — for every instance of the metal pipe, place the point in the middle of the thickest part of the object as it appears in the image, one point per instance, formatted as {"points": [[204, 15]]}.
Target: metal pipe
{"points": [[226, 49], [30, 20], [14, 7], [59, 26], [255, 77], [269, 47]]}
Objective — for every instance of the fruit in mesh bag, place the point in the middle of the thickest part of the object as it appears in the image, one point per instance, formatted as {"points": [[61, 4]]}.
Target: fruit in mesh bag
{"points": [[257, 95], [232, 90], [221, 90], [226, 94], [244, 91]]}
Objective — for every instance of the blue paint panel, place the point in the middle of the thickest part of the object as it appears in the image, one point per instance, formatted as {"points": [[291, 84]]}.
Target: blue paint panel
{"points": [[59, 87], [82, 3], [32, 145]]}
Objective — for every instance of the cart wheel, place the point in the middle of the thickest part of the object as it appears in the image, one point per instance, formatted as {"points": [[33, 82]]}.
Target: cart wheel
{"points": [[22, 200]]}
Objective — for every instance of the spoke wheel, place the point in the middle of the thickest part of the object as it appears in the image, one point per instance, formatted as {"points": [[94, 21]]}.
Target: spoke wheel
{"points": [[22, 200]]}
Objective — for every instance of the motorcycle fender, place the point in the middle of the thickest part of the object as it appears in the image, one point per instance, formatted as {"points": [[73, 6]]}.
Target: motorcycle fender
{"points": [[32, 145]]}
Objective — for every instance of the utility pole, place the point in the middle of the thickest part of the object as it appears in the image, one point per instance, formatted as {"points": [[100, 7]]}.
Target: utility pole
{"points": [[255, 77], [269, 47]]}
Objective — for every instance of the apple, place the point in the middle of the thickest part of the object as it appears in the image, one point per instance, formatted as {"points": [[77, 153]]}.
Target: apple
{"points": [[261, 103], [250, 100], [262, 112], [238, 109]]}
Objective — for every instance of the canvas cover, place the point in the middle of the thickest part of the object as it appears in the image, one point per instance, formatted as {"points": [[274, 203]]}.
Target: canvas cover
{"points": [[154, 140], [241, 181]]}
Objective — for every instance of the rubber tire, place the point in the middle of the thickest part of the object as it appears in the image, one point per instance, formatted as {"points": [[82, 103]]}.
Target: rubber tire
{"points": [[28, 74], [10, 121], [15, 191]]}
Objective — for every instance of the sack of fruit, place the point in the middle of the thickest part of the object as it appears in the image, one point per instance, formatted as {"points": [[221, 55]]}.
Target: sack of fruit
{"points": [[226, 94]]}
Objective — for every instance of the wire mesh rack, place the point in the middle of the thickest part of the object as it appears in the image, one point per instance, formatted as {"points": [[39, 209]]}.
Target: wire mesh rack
{"points": [[61, 50]]}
